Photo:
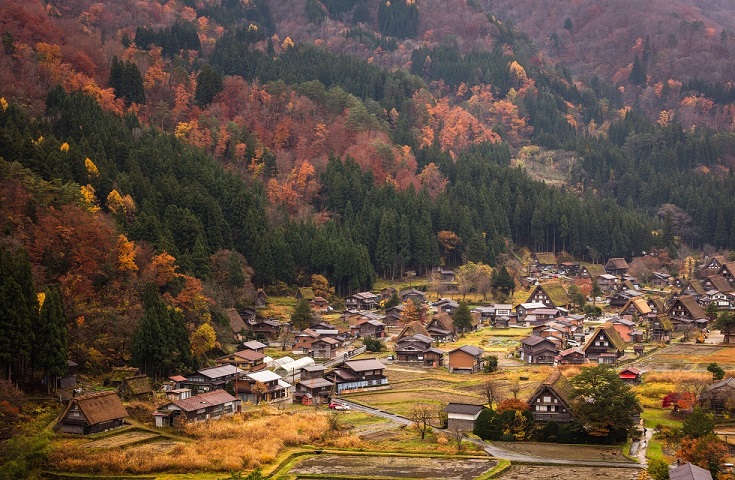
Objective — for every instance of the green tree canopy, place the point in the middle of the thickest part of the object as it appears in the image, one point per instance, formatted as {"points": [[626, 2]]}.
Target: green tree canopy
{"points": [[602, 402], [302, 315], [462, 318]]}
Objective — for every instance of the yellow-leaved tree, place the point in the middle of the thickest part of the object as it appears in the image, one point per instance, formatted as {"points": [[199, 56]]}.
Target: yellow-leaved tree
{"points": [[202, 339], [126, 254]]}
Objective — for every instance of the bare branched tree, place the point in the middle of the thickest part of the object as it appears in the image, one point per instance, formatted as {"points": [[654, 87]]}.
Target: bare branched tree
{"points": [[421, 414]]}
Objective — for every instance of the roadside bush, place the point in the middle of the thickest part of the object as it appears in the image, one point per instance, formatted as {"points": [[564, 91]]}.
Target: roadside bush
{"points": [[549, 432], [658, 469]]}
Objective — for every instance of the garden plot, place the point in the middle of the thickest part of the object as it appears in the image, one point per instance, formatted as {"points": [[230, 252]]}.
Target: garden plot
{"points": [[524, 472], [586, 453], [688, 357], [391, 467], [121, 440]]}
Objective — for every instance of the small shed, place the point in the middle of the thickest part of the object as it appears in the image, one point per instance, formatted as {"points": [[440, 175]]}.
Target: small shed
{"points": [[92, 413], [136, 386], [462, 416], [630, 375]]}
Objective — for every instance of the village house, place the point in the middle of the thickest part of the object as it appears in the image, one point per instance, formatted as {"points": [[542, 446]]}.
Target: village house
{"points": [[247, 360], [636, 307], [617, 266], [693, 288], [324, 347], [319, 304], [571, 356], [626, 329], [551, 295], [394, 315], [237, 324], [465, 359], [304, 293], [657, 305], [623, 294], [570, 269], [607, 283], [660, 328], [92, 413], [368, 328], [660, 280], [544, 261], [525, 309], [267, 329], [312, 391], [274, 388], [119, 374], [362, 301], [483, 315], [69, 379], [591, 270], [316, 370], [367, 374], [719, 396], [417, 296], [210, 405], [712, 266], [178, 394], [728, 271], [536, 349], [418, 348], [446, 305], [254, 345], [685, 313], [550, 401], [412, 328], [261, 298], [441, 328], [462, 416], [387, 293], [212, 378], [604, 345], [689, 471], [135, 387]]}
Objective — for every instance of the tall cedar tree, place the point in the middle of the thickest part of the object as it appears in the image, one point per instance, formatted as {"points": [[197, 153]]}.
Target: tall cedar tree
{"points": [[209, 84], [462, 318], [126, 80], [302, 316], [18, 312], [51, 338]]}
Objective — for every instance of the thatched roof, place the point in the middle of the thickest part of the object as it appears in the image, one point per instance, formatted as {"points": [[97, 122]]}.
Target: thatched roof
{"points": [[612, 335], [665, 322], [557, 383], [136, 385], [690, 304], [305, 293], [617, 264], [413, 328], [98, 407], [237, 324], [121, 373], [545, 258], [557, 294], [594, 269], [720, 283], [640, 305]]}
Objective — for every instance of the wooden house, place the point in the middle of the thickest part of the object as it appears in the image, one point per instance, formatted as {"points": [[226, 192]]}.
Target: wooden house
{"points": [[92, 413], [660, 328], [417, 296], [551, 400], [728, 271], [625, 328], [275, 390], [446, 305], [617, 266], [544, 260], [313, 371], [712, 265], [247, 360], [178, 394], [465, 359], [324, 347], [591, 270], [441, 328], [636, 307], [254, 345], [135, 387], [394, 315], [412, 328], [261, 298], [367, 374], [686, 313], [211, 378], [693, 288], [462, 416], [571, 356], [419, 349], [608, 283], [119, 374], [689, 471], [319, 304], [630, 375], [604, 345], [623, 294], [551, 295], [207, 406], [267, 329], [312, 391], [570, 269], [660, 280], [387, 293], [237, 324], [536, 349], [719, 396], [717, 282], [368, 328], [525, 309], [362, 301], [657, 305]]}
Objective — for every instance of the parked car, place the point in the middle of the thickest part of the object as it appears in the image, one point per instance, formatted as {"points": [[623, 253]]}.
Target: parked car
{"points": [[338, 406]]}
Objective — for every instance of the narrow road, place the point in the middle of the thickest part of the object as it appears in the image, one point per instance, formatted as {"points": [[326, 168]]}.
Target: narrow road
{"points": [[498, 452]]}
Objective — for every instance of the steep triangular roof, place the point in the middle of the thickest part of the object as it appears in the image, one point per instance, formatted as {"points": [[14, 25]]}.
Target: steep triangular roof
{"points": [[557, 293], [557, 383], [412, 328], [665, 321], [545, 258], [594, 269], [640, 305], [617, 264], [237, 324], [720, 283], [612, 335], [695, 286], [136, 385], [691, 305], [444, 320], [98, 407]]}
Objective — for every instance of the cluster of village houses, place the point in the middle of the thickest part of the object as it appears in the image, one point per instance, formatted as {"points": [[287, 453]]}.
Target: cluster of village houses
{"points": [[558, 337]]}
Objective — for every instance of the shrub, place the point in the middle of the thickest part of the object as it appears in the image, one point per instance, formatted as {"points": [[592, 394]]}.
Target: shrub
{"points": [[658, 469]]}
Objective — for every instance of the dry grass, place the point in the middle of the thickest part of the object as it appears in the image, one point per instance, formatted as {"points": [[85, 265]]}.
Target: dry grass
{"points": [[676, 377], [232, 443]]}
